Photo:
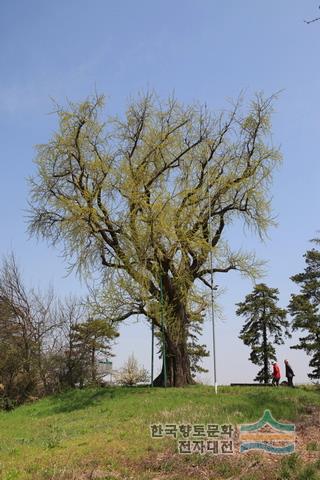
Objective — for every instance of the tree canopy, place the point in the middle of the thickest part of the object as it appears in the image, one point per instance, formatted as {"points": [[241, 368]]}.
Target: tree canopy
{"points": [[137, 195]]}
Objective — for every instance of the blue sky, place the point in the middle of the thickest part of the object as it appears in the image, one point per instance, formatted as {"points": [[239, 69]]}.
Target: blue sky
{"points": [[207, 50]]}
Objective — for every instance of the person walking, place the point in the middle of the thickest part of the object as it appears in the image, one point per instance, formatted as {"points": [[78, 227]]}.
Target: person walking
{"points": [[276, 374], [289, 373]]}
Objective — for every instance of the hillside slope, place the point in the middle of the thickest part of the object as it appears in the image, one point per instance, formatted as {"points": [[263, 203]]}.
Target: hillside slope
{"points": [[105, 433]]}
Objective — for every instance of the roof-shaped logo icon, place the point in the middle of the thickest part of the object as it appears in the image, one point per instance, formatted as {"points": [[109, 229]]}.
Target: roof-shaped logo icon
{"points": [[269, 435]]}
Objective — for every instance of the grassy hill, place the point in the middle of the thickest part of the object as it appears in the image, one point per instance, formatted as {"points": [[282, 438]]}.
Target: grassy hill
{"points": [[104, 434]]}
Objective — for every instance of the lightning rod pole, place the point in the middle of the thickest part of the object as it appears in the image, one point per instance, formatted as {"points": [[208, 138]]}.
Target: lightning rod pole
{"points": [[212, 298]]}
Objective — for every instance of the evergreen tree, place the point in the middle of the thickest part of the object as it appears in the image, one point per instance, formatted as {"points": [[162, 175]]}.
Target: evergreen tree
{"points": [[304, 307], [92, 337], [265, 326]]}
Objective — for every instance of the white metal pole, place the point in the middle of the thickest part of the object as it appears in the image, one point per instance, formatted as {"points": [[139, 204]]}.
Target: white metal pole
{"points": [[211, 283]]}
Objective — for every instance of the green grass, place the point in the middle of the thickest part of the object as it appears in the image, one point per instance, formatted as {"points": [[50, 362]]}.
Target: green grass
{"points": [[104, 432], [292, 468]]}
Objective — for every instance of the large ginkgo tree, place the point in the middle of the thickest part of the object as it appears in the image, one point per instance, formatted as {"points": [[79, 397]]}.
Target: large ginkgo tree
{"points": [[147, 197]]}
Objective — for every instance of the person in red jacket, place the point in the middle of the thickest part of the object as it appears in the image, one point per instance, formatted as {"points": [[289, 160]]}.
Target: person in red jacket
{"points": [[276, 374]]}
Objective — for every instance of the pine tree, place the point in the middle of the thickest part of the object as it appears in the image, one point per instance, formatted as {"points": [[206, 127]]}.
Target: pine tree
{"points": [[304, 308], [265, 326], [92, 337]]}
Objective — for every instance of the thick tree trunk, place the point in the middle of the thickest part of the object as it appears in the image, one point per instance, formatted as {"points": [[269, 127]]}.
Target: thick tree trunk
{"points": [[178, 372], [177, 366]]}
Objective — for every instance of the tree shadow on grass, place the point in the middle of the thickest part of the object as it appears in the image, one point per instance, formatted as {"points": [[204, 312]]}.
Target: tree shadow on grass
{"points": [[77, 399]]}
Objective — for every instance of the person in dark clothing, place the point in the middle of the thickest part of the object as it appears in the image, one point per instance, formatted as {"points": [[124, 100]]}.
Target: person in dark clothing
{"points": [[289, 373]]}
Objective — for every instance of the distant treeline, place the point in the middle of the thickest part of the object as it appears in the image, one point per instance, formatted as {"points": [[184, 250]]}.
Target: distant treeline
{"points": [[46, 344]]}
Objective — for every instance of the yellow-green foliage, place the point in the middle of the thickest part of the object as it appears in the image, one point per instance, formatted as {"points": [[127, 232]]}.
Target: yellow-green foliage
{"points": [[140, 193]]}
